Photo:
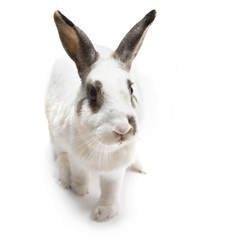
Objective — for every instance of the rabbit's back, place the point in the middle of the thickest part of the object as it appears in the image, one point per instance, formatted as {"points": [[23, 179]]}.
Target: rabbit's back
{"points": [[63, 86], [64, 81]]}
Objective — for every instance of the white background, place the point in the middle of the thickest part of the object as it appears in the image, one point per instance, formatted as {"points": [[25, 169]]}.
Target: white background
{"points": [[190, 146]]}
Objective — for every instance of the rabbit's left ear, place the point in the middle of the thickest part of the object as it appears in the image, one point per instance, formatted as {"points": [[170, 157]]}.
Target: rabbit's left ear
{"points": [[131, 43]]}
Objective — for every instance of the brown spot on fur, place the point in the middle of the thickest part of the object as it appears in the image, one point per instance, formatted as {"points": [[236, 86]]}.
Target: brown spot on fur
{"points": [[134, 97], [130, 83], [95, 96], [132, 122], [79, 106]]}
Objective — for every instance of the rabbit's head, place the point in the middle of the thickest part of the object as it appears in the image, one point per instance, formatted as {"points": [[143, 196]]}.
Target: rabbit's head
{"points": [[106, 106]]}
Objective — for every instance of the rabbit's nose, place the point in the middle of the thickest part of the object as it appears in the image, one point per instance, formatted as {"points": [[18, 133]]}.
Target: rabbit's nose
{"points": [[122, 129]]}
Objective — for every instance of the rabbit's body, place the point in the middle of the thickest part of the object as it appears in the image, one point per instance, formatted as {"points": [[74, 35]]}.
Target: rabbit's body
{"points": [[93, 123]]}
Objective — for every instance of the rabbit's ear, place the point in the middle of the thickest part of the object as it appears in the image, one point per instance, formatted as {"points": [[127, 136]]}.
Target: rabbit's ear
{"points": [[76, 43], [131, 43]]}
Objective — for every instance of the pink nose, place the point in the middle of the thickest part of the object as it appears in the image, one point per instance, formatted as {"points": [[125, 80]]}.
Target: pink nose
{"points": [[122, 129]]}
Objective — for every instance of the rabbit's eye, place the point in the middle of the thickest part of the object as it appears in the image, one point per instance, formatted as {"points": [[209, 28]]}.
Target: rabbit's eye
{"points": [[95, 95], [92, 93], [130, 87], [131, 91]]}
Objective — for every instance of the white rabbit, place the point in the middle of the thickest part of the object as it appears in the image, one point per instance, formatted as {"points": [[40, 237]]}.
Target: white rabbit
{"points": [[94, 122]]}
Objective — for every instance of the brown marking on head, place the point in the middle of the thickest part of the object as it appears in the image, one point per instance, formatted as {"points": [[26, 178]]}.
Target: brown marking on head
{"points": [[79, 106], [133, 98], [76, 43], [131, 43], [95, 95], [132, 122]]}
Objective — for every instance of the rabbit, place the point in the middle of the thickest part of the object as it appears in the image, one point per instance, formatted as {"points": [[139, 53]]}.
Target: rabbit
{"points": [[93, 113]]}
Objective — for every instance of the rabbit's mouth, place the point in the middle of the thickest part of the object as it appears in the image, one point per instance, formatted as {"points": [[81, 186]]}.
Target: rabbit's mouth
{"points": [[113, 141], [113, 137], [102, 146], [119, 140], [122, 139]]}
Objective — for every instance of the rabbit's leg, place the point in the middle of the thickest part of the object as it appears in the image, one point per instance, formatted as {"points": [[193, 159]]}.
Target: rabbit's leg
{"points": [[80, 181], [108, 202], [62, 169]]}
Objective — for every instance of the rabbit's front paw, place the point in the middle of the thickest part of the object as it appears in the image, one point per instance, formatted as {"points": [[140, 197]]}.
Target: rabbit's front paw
{"points": [[62, 176], [80, 189], [64, 182], [103, 213]]}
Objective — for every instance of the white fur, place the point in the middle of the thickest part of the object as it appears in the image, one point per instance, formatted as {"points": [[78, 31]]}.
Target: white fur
{"points": [[85, 142]]}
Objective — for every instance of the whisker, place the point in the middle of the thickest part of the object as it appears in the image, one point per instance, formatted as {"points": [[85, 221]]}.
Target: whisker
{"points": [[87, 145], [104, 158], [93, 152]]}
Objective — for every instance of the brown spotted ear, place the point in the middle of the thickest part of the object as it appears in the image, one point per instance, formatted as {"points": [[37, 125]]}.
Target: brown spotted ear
{"points": [[131, 43], [76, 43]]}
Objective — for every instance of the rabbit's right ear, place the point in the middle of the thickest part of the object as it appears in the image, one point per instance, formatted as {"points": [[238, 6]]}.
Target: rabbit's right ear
{"points": [[76, 43]]}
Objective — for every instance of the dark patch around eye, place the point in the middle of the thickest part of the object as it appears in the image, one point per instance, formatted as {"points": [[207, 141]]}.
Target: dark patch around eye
{"points": [[79, 106], [95, 96], [133, 98]]}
